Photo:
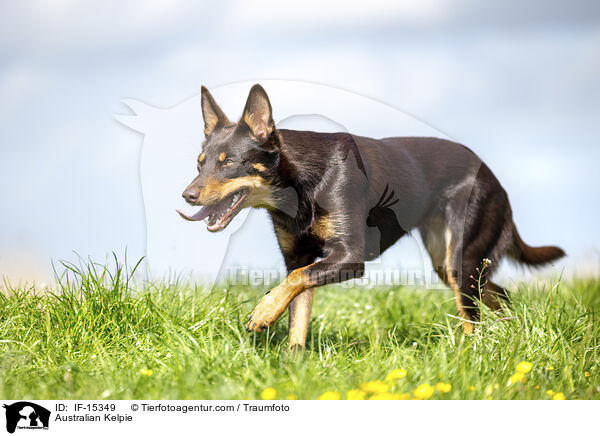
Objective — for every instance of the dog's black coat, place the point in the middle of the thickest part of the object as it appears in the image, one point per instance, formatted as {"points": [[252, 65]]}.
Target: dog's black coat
{"points": [[346, 198]]}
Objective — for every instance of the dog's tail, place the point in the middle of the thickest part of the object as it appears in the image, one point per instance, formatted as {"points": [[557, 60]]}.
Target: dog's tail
{"points": [[534, 256]]}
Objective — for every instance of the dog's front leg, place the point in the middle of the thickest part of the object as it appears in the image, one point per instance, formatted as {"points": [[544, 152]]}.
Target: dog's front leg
{"points": [[338, 266], [300, 309], [272, 305]]}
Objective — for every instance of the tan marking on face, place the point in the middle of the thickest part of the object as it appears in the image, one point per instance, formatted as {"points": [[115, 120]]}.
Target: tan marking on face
{"points": [[260, 192], [326, 227], [467, 326], [222, 157], [259, 167], [287, 240], [272, 305], [201, 157]]}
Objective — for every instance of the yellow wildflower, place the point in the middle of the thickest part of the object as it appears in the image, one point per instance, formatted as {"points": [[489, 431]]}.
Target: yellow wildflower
{"points": [[268, 394], [424, 391], [524, 367], [586, 374], [396, 374], [355, 394], [330, 395], [550, 392], [550, 368], [443, 387], [471, 388], [292, 397], [147, 372], [402, 396], [517, 377], [375, 387], [558, 396]]}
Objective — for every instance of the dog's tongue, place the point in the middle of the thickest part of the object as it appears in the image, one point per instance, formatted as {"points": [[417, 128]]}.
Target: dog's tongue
{"points": [[198, 216]]}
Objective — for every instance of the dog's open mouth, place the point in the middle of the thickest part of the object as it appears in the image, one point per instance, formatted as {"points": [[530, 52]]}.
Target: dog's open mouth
{"points": [[220, 214]]}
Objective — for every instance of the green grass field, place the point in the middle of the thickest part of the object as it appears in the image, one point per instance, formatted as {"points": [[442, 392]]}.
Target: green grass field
{"points": [[97, 336]]}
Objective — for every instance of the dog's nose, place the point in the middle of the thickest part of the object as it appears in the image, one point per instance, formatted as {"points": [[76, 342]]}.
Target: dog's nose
{"points": [[191, 194]]}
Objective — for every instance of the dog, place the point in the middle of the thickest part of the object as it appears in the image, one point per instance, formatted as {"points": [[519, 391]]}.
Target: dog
{"points": [[337, 200]]}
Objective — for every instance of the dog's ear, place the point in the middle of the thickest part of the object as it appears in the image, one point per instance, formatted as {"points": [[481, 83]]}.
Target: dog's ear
{"points": [[213, 115], [258, 113]]}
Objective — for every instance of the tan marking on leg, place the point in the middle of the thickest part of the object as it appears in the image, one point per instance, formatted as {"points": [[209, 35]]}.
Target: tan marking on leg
{"points": [[259, 167], [272, 305], [287, 240], [467, 326], [326, 227], [299, 311]]}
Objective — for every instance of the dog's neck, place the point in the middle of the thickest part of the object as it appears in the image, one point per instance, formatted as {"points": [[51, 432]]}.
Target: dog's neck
{"points": [[296, 209]]}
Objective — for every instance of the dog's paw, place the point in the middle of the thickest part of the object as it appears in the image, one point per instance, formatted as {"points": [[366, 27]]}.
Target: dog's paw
{"points": [[268, 311]]}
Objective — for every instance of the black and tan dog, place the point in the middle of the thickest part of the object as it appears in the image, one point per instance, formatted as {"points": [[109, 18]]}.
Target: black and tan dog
{"points": [[344, 199]]}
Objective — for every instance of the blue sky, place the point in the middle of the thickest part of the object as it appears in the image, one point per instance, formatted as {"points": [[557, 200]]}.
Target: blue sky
{"points": [[515, 81]]}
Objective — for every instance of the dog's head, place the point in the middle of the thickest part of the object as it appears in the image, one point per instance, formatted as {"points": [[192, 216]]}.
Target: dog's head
{"points": [[238, 162]]}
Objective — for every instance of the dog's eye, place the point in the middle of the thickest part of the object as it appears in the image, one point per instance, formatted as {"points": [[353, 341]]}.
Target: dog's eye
{"points": [[228, 161]]}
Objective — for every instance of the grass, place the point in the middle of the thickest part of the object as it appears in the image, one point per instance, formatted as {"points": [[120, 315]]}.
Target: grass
{"points": [[98, 336]]}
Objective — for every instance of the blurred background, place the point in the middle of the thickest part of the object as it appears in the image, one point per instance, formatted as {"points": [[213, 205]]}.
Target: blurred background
{"points": [[515, 81]]}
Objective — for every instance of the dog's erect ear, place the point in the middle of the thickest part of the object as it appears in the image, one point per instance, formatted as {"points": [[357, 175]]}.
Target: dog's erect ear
{"points": [[258, 113], [212, 113]]}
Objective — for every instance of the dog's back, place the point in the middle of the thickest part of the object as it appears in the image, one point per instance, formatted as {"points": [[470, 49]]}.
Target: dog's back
{"points": [[337, 200], [382, 188]]}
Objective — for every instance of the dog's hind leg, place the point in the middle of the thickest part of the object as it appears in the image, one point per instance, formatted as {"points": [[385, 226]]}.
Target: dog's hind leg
{"points": [[466, 311], [299, 313], [457, 268], [493, 296], [480, 238], [442, 248]]}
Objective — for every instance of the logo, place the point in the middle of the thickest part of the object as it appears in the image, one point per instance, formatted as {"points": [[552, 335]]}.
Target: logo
{"points": [[171, 145], [26, 415]]}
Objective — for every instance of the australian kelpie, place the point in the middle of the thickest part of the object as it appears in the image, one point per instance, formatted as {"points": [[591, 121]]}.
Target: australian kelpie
{"points": [[337, 200]]}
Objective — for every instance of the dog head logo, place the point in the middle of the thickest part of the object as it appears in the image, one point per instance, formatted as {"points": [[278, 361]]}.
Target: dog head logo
{"points": [[26, 415], [223, 168]]}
